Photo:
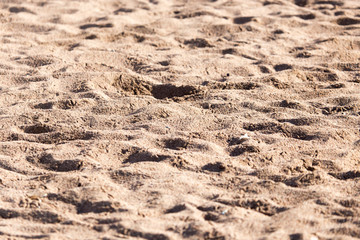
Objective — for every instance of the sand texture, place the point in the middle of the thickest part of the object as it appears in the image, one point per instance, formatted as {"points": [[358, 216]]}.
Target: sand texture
{"points": [[180, 119]]}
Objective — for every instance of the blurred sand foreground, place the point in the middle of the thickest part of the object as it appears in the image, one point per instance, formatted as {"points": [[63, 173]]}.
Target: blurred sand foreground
{"points": [[183, 119]]}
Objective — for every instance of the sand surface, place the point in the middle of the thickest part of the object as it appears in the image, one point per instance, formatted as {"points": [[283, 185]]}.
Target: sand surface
{"points": [[179, 119]]}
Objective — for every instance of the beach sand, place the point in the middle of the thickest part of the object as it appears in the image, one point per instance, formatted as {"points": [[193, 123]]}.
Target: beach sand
{"points": [[179, 119]]}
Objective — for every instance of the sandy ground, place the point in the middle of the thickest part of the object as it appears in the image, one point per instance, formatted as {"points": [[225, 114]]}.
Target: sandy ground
{"points": [[182, 119]]}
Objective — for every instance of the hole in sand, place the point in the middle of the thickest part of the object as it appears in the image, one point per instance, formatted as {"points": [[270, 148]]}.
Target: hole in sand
{"points": [[37, 129]]}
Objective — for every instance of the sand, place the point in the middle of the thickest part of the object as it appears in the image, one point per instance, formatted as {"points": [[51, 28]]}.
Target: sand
{"points": [[182, 119]]}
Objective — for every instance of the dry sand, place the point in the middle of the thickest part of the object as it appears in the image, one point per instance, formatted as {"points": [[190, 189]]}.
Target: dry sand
{"points": [[183, 119]]}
